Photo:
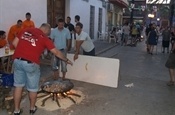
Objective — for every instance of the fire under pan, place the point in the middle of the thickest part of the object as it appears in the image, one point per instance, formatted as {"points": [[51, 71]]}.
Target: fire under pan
{"points": [[56, 90]]}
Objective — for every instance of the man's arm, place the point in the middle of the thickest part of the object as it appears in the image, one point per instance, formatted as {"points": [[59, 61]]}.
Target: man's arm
{"points": [[33, 24], [15, 42], [78, 45], [10, 36], [61, 56]]}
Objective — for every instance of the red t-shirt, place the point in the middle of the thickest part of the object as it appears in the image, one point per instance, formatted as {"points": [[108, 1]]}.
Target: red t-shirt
{"points": [[32, 42]]}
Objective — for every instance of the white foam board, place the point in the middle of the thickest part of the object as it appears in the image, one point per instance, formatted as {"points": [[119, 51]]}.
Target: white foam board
{"points": [[96, 70]]}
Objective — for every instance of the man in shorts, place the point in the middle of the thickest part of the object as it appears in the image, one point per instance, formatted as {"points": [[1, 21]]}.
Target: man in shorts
{"points": [[71, 28], [126, 31], [61, 37], [29, 44]]}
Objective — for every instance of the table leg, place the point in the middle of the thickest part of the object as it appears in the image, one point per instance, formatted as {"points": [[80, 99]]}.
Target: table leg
{"points": [[9, 65]]}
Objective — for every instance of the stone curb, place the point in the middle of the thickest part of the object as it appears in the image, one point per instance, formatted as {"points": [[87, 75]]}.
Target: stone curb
{"points": [[104, 50]]}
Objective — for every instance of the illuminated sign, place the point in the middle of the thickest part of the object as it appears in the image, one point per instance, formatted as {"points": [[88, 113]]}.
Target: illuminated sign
{"points": [[158, 1]]}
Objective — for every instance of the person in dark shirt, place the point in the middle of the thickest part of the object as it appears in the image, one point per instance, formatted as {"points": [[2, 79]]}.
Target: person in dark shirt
{"points": [[172, 40], [77, 19], [152, 39], [69, 25], [3, 41], [166, 35], [71, 28], [148, 29]]}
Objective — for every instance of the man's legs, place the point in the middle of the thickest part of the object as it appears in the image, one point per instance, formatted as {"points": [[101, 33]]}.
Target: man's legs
{"points": [[126, 39], [163, 50], [56, 74], [64, 65], [147, 48], [55, 67], [64, 75], [147, 45], [167, 49], [32, 98], [32, 84], [132, 38], [19, 82], [17, 94], [151, 49]]}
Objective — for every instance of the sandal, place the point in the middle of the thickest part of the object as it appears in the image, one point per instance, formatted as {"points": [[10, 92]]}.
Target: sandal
{"points": [[18, 113], [171, 83], [33, 111]]}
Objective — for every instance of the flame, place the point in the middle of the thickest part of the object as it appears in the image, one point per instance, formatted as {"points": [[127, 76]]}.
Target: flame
{"points": [[68, 92], [65, 93]]}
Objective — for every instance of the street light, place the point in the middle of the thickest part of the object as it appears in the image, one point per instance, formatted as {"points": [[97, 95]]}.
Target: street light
{"points": [[151, 16], [158, 19], [132, 5]]}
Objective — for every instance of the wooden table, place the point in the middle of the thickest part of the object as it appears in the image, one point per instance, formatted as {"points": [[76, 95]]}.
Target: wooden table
{"points": [[2, 55]]}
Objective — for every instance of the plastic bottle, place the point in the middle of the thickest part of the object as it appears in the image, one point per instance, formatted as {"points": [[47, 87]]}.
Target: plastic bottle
{"points": [[7, 49]]}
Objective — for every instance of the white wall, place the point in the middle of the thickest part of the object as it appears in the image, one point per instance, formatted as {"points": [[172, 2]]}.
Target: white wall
{"points": [[82, 8], [11, 11]]}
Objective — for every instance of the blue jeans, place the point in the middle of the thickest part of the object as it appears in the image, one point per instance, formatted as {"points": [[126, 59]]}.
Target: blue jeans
{"points": [[26, 74]]}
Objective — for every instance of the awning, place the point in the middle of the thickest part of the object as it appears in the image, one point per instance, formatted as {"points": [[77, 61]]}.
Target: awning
{"points": [[121, 3]]}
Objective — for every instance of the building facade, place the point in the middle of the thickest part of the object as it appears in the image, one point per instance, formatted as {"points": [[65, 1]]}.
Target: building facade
{"points": [[11, 11], [115, 13], [136, 12], [96, 15], [92, 14]]}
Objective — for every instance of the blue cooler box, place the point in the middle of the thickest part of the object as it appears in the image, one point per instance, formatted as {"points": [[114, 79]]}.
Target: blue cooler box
{"points": [[7, 79]]}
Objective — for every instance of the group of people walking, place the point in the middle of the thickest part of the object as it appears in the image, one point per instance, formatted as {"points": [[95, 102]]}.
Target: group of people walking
{"points": [[153, 33], [168, 40], [129, 34]]}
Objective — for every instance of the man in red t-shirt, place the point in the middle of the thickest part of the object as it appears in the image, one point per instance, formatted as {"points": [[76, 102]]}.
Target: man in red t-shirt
{"points": [[29, 44]]}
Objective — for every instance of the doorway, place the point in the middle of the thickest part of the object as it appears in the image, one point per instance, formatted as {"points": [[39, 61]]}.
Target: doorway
{"points": [[92, 21], [100, 12], [55, 10]]}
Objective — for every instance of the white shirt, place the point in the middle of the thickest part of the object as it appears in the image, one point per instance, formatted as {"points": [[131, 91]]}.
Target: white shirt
{"points": [[126, 29], [87, 44]]}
